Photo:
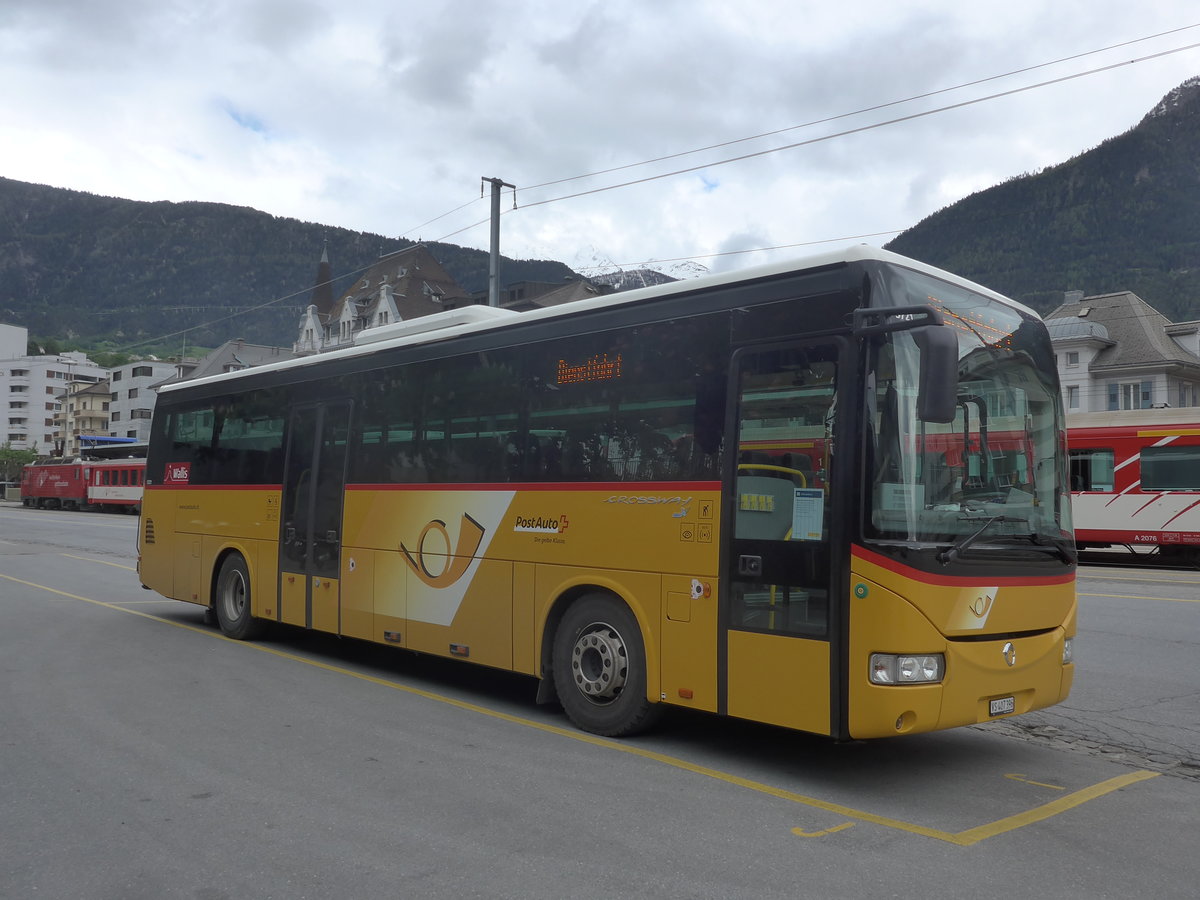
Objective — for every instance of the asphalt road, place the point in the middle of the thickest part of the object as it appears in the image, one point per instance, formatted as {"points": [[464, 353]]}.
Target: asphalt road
{"points": [[143, 755]]}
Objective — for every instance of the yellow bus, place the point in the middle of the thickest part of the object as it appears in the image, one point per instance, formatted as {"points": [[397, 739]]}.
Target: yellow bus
{"points": [[830, 495]]}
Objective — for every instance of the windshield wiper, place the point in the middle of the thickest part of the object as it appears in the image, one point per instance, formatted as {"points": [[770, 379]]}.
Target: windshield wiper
{"points": [[953, 552], [1059, 547]]}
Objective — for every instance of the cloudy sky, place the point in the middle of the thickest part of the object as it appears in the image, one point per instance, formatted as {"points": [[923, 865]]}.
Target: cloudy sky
{"points": [[384, 115]]}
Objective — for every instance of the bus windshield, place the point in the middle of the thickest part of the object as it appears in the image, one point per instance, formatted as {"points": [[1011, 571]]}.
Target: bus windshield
{"points": [[995, 477]]}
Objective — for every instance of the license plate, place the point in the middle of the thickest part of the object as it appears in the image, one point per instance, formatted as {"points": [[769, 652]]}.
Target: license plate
{"points": [[1002, 706]]}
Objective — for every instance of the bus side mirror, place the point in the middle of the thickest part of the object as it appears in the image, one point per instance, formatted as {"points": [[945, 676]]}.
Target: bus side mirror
{"points": [[937, 393]]}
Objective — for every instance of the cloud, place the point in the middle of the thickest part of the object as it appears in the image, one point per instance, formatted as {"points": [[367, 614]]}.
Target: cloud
{"points": [[379, 116]]}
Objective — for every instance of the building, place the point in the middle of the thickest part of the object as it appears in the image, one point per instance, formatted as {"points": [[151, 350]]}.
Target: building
{"points": [[83, 414], [1116, 351], [134, 388], [31, 388], [231, 356], [399, 286], [521, 296]]}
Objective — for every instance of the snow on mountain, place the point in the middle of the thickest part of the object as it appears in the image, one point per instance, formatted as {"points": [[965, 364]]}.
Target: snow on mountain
{"points": [[599, 267]]}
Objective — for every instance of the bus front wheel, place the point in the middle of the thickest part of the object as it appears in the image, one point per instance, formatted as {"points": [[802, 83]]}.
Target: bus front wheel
{"points": [[600, 668], [232, 601]]}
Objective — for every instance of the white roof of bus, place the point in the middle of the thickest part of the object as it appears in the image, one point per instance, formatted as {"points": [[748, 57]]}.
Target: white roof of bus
{"points": [[495, 319]]}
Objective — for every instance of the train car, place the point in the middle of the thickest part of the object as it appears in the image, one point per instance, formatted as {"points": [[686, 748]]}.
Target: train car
{"points": [[1135, 480], [79, 483], [116, 484]]}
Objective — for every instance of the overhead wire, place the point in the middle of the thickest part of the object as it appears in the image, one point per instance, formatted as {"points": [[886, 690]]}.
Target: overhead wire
{"points": [[863, 128], [754, 155], [821, 121], [865, 109]]}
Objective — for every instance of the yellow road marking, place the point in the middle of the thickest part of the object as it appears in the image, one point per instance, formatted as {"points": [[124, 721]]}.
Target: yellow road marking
{"points": [[962, 838], [102, 562], [1019, 777], [1194, 581], [800, 832], [1135, 597]]}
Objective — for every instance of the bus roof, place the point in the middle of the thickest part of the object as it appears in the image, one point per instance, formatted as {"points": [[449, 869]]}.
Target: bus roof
{"points": [[468, 320]]}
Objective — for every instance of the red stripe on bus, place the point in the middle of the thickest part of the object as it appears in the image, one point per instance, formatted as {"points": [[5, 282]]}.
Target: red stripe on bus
{"points": [[955, 580]]}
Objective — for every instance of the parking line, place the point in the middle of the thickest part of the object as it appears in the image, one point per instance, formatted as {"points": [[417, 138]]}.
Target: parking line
{"points": [[1134, 597], [103, 562], [965, 838]]}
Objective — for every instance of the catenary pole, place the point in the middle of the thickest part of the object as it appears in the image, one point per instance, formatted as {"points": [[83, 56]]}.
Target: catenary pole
{"points": [[494, 254]]}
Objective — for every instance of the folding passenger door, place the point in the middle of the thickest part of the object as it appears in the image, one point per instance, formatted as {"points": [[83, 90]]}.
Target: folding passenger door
{"points": [[782, 552]]}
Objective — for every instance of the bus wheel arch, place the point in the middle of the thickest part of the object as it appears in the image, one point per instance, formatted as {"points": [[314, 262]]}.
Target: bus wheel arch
{"points": [[599, 663], [232, 598]]}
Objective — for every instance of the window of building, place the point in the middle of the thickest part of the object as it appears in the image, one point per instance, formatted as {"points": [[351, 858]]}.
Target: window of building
{"points": [[1073, 396], [1131, 395], [116, 376], [115, 417], [142, 371], [1072, 358], [133, 392]]}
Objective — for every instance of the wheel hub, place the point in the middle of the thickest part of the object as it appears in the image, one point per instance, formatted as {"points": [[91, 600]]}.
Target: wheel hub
{"points": [[599, 663], [234, 596]]}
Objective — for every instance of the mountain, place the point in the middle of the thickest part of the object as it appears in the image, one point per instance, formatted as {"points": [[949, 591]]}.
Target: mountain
{"points": [[80, 266], [1122, 216], [631, 279], [599, 267]]}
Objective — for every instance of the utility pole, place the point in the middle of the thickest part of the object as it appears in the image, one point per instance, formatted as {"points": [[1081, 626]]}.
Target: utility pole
{"points": [[494, 255]]}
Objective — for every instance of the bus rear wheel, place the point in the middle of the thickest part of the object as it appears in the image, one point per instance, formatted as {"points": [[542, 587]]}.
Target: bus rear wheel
{"points": [[232, 601], [600, 668]]}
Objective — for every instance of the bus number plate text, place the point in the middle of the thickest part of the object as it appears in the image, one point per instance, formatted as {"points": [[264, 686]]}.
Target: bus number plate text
{"points": [[1002, 706]]}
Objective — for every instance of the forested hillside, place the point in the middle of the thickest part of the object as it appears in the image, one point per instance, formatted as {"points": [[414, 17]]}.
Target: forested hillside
{"points": [[76, 265], [1123, 216]]}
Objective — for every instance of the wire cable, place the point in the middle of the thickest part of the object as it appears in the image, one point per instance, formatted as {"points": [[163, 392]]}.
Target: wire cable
{"points": [[865, 109]]}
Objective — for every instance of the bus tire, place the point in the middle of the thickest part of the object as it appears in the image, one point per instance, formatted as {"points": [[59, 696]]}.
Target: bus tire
{"points": [[600, 668], [231, 599]]}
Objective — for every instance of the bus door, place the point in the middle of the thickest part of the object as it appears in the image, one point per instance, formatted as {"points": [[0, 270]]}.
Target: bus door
{"points": [[780, 565], [310, 537]]}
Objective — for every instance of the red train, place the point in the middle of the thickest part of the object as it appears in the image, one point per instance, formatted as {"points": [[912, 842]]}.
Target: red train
{"points": [[106, 484], [1135, 480]]}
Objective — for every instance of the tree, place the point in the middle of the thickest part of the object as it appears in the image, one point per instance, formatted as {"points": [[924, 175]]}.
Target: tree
{"points": [[13, 461]]}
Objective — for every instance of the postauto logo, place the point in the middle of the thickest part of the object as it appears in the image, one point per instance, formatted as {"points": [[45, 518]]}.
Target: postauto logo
{"points": [[541, 524]]}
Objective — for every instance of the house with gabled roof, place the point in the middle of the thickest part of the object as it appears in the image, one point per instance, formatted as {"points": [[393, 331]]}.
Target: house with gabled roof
{"points": [[399, 286], [1116, 351], [521, 296]]}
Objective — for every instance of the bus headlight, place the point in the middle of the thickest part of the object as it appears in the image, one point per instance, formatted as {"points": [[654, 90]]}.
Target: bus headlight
{"points": [[894, 668], [1068, 651]]}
